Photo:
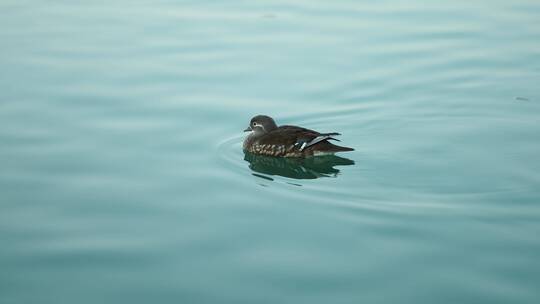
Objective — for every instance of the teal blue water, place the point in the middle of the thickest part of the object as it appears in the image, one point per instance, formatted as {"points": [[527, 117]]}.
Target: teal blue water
{"points": [[123, 180]]}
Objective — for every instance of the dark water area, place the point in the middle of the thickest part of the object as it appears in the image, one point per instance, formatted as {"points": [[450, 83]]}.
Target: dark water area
{"points": [[123, 178]]}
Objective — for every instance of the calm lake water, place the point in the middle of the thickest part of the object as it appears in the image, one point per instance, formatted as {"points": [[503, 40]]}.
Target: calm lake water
{"points": [[123, 180]]}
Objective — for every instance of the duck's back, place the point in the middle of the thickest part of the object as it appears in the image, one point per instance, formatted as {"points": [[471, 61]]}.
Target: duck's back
{"points": [[288, 135]]}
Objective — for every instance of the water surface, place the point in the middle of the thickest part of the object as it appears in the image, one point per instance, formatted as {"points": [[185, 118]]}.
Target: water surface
{"points": [[122, 177]]}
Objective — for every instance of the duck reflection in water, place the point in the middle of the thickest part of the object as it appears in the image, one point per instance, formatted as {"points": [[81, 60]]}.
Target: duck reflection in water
{"points": [[297, 168]]}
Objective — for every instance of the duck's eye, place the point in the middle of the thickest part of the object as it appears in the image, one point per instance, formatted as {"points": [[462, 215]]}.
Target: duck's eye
{"points": [[254, 124]]}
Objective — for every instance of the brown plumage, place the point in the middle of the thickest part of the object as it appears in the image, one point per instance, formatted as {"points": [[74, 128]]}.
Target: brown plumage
{"points": [[267, 138]]}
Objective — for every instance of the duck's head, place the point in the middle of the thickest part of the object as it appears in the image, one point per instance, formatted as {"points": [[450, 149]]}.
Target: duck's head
{"points": [[261, 124]]}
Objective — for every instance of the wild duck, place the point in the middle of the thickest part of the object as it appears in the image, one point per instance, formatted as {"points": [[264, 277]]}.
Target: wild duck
{"points": [[266, 138]]}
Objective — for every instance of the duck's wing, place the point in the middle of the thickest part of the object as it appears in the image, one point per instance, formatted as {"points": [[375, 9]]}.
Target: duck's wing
{"points": [[320, 138], [297, 137]]}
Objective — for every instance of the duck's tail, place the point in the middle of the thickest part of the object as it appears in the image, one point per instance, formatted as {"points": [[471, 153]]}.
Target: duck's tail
{"points": [[337, 148], [325, 148]]}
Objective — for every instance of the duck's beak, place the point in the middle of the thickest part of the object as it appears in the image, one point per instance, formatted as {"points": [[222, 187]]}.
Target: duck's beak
{"points": [[249, 129]]}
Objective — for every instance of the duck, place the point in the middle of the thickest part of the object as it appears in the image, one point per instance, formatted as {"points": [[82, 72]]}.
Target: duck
{"points": [[266, 138]]}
